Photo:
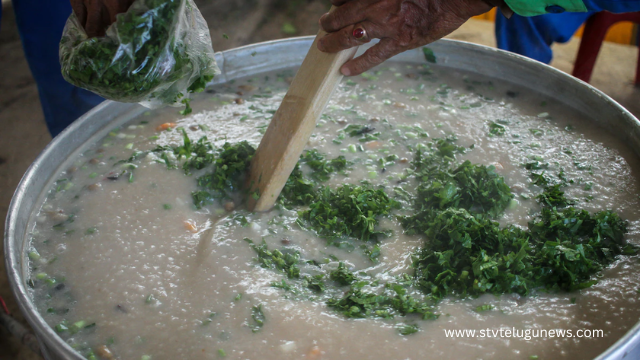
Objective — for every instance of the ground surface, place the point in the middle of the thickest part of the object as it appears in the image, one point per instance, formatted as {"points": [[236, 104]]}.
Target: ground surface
{"points": [[23, 132]]}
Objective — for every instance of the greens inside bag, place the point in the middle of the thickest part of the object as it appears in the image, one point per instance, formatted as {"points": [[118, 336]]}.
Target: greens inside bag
{"points": [[156, 53]]}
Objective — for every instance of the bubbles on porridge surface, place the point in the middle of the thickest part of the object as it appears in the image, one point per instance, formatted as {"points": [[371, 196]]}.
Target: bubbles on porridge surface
{"points": [[60, 248]]}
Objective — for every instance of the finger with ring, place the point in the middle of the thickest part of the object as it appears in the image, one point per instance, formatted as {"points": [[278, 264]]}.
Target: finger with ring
{"points": [[347, 38]]}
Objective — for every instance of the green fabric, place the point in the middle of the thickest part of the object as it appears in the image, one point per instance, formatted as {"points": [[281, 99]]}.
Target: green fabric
{"points": [[538, 7]]}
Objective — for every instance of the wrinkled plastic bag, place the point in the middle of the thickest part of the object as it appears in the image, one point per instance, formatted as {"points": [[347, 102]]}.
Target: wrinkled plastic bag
{"points": [[156, 53]]}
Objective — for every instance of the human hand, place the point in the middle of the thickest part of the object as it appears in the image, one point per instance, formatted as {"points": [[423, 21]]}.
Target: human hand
{"points": [[399, 24], [95, 16]]}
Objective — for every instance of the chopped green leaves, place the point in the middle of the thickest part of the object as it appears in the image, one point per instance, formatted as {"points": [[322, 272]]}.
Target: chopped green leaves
{"points": [[471, 255], [348, 211], [468, 254], [198, 155], [228, 174], [187, 110], [287, 262], [62, 327], [573, 245], [358, 303], [342, 275], [258, 318], [358, 130], [429, 55], [483, 308], [476, 188], [288, 29], [298, 190], [497, 129], [322, 168], [407, 329], [202, 198]]}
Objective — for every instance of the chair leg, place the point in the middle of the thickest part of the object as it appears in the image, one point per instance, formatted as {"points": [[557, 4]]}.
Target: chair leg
{"points": [[592, 38]]}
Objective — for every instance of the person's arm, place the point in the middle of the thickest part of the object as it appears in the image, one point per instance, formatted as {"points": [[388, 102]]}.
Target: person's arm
{"points": [[399, 24], [96, 15], [407, 24]]}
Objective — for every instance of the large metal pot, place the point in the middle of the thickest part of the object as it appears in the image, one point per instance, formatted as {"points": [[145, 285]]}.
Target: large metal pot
{"points": [[274, 55]]}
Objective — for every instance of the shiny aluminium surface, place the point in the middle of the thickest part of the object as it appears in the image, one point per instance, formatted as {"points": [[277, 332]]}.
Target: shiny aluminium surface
{"points": [[281, 54]]}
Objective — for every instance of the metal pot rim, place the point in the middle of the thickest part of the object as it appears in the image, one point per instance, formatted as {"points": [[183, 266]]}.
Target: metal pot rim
{"points": [[626, 344]]}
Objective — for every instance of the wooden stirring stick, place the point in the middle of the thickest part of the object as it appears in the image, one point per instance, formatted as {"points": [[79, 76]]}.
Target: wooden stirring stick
{"points": [[293, 123]]}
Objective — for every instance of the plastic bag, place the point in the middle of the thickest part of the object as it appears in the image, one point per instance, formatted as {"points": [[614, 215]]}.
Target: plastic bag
{"points": [[156, 53]]}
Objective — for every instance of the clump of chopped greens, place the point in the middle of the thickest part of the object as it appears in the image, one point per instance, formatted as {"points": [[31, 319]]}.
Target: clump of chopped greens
{"points": [[363, 132], [229, 172], [348, 211], [364, 298], [571, 245], [357, 130], [321, 167], [435, 158], [407, 329], [392, 302], [229, 166], [476, 188], [552, 196], [298, 190], [496, 129], [342, 275], [198, 155], [287, 262], [169, 54], [258, 318], [468, 254], [315, 283]]}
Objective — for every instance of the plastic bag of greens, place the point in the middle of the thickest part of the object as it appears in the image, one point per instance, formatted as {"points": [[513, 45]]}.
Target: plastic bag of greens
{"points": [[158, 52]]}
